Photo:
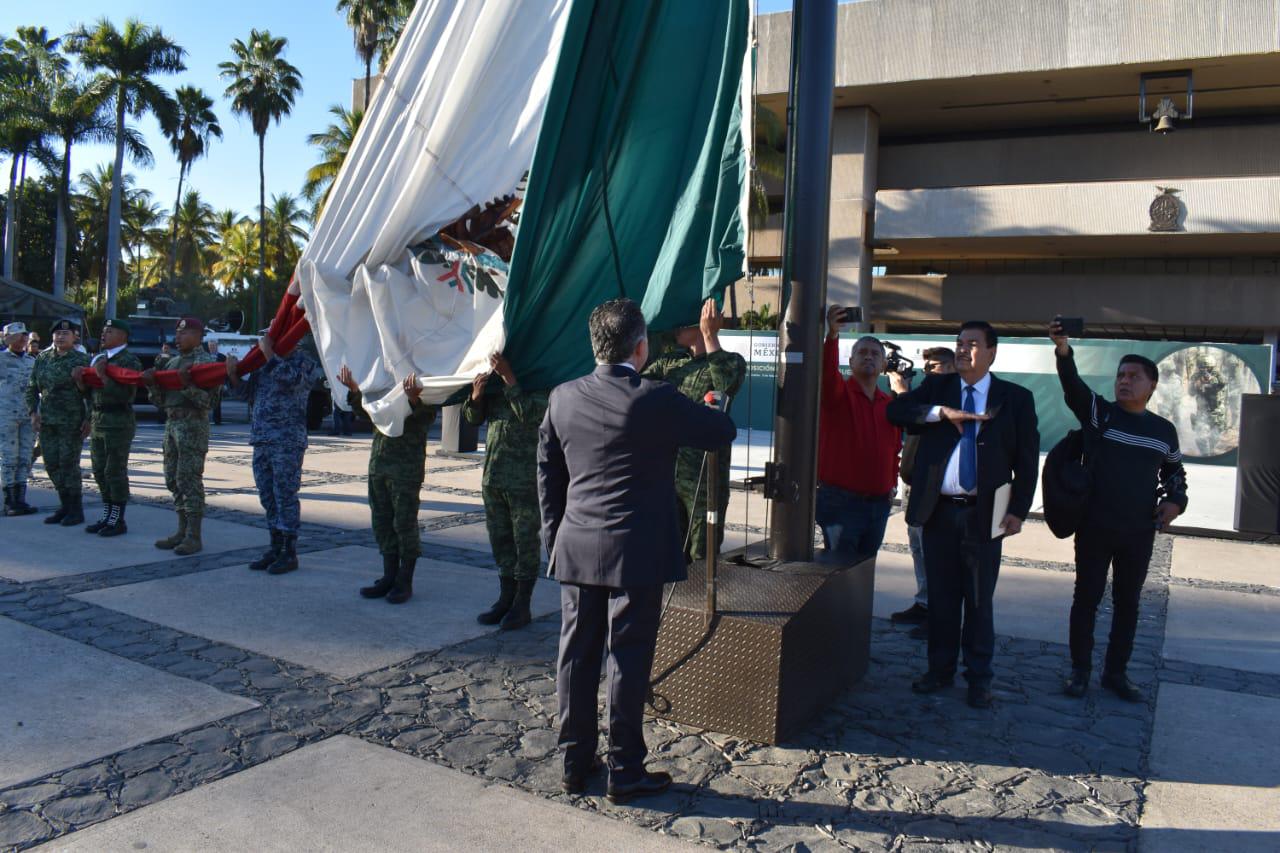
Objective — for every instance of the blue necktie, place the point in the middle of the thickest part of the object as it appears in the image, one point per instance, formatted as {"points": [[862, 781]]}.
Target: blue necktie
{"points": [[969, 446]]}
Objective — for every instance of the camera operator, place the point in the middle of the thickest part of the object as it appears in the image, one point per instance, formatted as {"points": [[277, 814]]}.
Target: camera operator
{"points": [[857, 446], [937, 361], [1139, 487]]}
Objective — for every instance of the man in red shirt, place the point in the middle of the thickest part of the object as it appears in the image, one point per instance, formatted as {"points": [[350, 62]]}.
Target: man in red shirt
{"points": [[857, 447]]}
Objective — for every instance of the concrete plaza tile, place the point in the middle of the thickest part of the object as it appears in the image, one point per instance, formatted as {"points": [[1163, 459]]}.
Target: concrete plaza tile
{"points": [[315, 617], [1218, 792], [63, 703], [454, 477], [1221, 560], [1237, 630], [1037, 542], [345, 794], [346, 461], [473, 537], [346, 505], [1029, 603], [70, 551]]}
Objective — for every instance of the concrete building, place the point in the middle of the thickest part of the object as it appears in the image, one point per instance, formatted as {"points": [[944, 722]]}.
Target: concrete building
{"points": [[989, 161]]}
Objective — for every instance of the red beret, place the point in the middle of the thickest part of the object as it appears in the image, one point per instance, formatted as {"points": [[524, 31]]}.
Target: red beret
{"points": [[190, 323]]}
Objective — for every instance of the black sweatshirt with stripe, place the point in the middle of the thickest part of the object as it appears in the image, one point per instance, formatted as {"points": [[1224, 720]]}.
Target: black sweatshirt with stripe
{"points": [[1138, 455]]}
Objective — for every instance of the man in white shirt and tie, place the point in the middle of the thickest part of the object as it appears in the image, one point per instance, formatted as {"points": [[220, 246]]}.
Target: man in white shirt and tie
{"points": [[978, 433]]}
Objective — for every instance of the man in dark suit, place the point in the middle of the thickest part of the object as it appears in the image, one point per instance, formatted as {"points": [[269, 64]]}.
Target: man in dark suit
{"points": [[606, 484], [977, 433]]}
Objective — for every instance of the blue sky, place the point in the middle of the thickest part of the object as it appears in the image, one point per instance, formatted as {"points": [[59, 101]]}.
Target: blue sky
{"points": [[319, 44]]}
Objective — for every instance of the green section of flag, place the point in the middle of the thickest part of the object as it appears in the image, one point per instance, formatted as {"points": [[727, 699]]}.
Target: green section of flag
{"points": [[643, 111]]}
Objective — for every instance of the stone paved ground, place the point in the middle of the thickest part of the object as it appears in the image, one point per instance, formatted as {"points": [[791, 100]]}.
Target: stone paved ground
{"points": [[879, 770]]}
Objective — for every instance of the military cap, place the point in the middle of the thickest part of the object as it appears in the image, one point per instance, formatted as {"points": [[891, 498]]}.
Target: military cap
{"points": [[190, 323], [115, 323], [15, 328], [64, 325]]}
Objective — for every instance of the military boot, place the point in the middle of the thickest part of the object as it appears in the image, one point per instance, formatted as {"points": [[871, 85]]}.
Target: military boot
{"points": [[115, 525], [506, 595], [62, 510], [102, 522], [171, 542], [269, 556], [8, 501], [191, 543], [519, 616], [379, 588], [287, 559], [402, 591], [20, 501], [75, 510]]}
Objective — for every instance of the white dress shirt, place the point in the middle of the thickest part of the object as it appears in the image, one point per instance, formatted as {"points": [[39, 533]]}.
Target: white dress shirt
{"points": [[111, 353], [951, 479]]}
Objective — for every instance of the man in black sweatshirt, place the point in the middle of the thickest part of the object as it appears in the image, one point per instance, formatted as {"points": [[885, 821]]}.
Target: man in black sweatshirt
{"points": [[1139, 487]]}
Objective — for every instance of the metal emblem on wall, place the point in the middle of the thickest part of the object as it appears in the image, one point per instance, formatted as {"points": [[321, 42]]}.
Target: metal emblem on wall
{"points": [[1165, 211]]}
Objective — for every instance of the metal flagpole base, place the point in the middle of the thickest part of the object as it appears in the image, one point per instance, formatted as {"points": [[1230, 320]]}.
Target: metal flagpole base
{"points": [[785, 640]]}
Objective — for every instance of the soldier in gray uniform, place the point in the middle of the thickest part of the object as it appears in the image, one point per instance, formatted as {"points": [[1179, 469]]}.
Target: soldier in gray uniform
{"points": [[278, 433], [17, 435]]}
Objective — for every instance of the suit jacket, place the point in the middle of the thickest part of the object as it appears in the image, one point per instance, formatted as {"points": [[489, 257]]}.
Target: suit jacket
{"points": [[606, 476], [1008, 446]]}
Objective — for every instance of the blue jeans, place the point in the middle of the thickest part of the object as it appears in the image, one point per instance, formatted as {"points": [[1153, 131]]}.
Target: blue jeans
{"points": [[852, 525]]}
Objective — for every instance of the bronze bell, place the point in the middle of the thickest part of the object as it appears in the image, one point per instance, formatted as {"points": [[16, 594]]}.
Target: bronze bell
{"points": [[1165, 125]]}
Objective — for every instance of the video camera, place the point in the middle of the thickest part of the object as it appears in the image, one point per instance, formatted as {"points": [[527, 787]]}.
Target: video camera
{"points": [[896, 362]]}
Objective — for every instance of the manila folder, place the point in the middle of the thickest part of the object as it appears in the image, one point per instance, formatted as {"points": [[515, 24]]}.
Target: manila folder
{"points": [[1000, 509]]}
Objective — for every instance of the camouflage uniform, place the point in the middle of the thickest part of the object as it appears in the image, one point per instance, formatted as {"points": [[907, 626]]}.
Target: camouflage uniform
{"points": [[111, 436], [721, 371], [397, 467], [186, 433], [278, 433], [510, 484], [64, 409], [17, 437]]}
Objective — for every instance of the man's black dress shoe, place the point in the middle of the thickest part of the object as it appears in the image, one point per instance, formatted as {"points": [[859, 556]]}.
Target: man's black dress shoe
{"points": [[575, 781], [650, 783], [1119, 684], [919, 632], [932, 682], [979, 696], [916, 614], [1078, 684]]}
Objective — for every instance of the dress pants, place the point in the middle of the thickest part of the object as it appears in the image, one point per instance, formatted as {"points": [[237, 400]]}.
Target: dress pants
{"points": [[623, 622], [962, 566], [1127, 553]]}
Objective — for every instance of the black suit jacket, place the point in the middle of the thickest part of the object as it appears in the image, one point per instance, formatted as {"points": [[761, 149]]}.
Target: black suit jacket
{"points": [[606, 476], [1008, 446]]}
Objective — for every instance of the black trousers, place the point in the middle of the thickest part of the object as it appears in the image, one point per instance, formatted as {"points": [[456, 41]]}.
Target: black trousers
{"points": [[1128, 554], [623, 622], [961, 566]]}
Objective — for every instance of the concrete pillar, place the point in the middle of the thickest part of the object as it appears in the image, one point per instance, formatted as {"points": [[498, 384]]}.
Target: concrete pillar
{"points": [[854, 156]]}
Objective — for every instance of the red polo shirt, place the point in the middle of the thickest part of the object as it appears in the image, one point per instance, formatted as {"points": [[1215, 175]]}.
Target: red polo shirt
{"points": [[857, 446]]}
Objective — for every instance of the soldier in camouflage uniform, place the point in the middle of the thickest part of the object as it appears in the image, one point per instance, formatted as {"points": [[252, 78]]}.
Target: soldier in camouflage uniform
{"points": [[510, 489], [111, 433], [397, 467], [278, 433], [17, 435], [186, 434], [60, 415], [697, 366]]}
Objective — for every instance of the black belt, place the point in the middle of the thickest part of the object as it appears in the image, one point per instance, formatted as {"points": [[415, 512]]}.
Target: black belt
{"points": [[960, 500], [859, 495]]}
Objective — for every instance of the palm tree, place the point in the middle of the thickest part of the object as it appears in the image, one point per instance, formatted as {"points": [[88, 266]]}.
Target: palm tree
{"points": [[391, 32], [31, 60], [194, 127], [370, 21], [92, 209], [129, 59], [334, 143], [225, 220], [195, 229], [263, 86], [237, 262], [770, 160], [76, 115], [285, 229], [141, 229]]}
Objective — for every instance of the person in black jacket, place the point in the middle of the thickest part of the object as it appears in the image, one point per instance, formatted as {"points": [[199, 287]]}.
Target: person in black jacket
{"points": [[606, 485], [1139, 487], [978, 433]]}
